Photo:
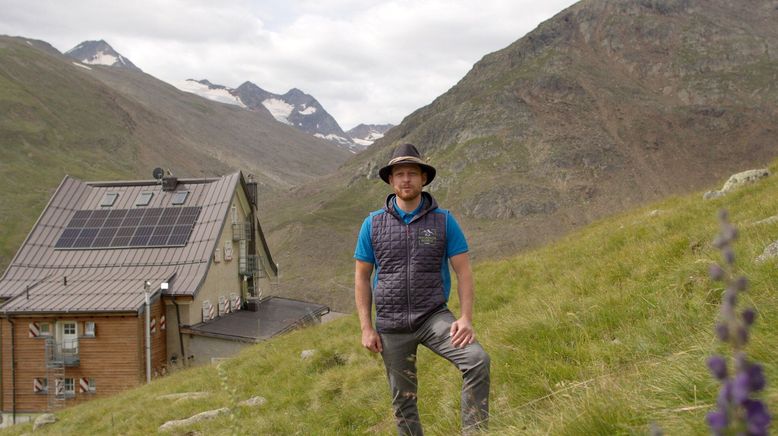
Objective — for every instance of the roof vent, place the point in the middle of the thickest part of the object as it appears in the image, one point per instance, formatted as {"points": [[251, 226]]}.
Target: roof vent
{"points": [[169, 183]]}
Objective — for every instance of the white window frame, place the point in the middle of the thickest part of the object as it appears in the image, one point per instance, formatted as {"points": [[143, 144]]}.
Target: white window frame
{"points": [[44, 329], [92, 386], [69, 391], [61, 332], [90, 330]]}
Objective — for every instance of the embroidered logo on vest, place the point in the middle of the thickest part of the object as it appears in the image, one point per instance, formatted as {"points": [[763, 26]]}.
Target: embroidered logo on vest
{"points": [[427, 236]]}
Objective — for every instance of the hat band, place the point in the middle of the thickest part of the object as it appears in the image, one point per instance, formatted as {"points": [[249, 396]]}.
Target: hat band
{"points": [[412, 159]]}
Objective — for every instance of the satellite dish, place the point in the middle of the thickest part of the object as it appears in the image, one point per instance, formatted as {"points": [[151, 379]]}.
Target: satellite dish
{"points": [[158, 173]]}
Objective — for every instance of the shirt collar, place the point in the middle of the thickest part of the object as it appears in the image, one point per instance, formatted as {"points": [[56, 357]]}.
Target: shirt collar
{"points": [[407, 216]]}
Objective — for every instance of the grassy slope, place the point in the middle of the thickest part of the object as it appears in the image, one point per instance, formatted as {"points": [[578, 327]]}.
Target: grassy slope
{"points": [[602, 332], [47, 122]]}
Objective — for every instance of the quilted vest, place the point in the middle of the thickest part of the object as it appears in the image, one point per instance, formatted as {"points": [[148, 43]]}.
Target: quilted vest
{"points": [[409, 287]]}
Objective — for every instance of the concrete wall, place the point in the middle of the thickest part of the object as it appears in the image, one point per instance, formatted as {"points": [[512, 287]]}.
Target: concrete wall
{"points": [[204, 348]]}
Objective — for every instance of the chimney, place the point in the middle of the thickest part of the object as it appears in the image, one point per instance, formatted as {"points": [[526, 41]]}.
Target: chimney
{"points": [[251, 187], [169, 183]]}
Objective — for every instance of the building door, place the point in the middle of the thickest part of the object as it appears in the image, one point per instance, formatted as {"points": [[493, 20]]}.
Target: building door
{"points": [[69, 336]]}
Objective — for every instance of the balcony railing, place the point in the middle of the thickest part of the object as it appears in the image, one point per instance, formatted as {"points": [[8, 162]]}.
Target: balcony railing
{"points": [[241, 231], [64, 352], [251, 265]]}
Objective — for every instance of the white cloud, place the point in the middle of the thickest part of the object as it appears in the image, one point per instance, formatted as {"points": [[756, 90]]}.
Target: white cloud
{"points": [[365, 61]]}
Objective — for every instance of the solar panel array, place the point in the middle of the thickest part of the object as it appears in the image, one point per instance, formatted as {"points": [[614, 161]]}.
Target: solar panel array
{"points": [[123, 228]]}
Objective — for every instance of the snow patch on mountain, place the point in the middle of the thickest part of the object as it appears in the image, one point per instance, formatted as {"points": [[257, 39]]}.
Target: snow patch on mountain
{"points": [[102, 58], [219, 94], [279, 108], [81, 65], [307, 111]]}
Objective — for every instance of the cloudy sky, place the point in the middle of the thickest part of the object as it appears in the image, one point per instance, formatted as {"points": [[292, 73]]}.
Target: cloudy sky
{"points": [[371, 61]]}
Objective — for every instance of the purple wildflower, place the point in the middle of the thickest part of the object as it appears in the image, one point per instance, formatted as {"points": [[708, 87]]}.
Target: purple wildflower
{"points": [[756, 380], [737, 410], [718, 367], [741, 387], [716, 273], [758, 417], [722, 331], [729, 256], [718, 420], [749, 316]]}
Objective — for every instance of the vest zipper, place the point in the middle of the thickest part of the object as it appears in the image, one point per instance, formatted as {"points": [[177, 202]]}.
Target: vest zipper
{"points": [[408, 271]]}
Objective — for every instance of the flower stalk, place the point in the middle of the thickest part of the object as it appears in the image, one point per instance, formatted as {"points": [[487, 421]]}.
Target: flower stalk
{"points": [[738, 411]]}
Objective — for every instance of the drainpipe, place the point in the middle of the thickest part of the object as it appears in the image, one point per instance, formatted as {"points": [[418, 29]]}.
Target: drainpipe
{"points": [[146, 287], [180, 335], [13, 372]]}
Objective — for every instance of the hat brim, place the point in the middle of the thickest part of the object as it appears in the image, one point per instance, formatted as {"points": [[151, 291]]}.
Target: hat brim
{"points": [[386, 171]]}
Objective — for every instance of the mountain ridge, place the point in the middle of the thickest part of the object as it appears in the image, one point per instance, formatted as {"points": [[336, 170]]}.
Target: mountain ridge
{"points": [[605, 106], [100, 53], [106, 123]]}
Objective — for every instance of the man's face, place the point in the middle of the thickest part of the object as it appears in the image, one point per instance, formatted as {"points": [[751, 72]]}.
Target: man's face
{"points": [[407, 181]]}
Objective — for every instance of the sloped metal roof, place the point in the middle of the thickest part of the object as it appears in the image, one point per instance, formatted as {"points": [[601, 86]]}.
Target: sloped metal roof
{"points": [[112, 279]]}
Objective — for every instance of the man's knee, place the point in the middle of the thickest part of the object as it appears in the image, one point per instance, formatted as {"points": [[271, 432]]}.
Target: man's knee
{"points": [[477, 359]]}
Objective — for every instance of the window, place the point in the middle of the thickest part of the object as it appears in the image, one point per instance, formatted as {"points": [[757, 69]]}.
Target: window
{"points": [[45, 329], [69, 328], [91, 385], [109, 199], [180, 197], [89, 329], [40, 385], [144, 198], [69, 387]]}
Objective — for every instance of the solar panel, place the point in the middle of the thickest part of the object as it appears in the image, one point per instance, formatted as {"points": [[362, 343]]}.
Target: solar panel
{"points": [[122, 228], [169, 216], [151, 216]]}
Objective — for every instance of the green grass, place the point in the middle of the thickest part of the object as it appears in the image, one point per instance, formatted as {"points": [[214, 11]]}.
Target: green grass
{"points": [[603, 332]]}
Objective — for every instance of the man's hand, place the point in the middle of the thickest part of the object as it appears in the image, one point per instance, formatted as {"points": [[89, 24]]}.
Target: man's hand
{"points": [[462, 333], [371, 340]]}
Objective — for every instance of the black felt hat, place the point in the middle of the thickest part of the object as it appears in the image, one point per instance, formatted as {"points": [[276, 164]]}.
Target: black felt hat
{"points": [[406, 154]]}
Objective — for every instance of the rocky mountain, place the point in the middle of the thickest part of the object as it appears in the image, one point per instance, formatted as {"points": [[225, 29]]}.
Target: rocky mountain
{"points": [[609, 104], [100, 53], [58, 117], [295, 108], [367, 134]]}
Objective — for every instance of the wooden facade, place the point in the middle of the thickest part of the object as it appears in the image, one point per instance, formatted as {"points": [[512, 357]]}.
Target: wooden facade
{"points": [[56, 290], [110, 361]]}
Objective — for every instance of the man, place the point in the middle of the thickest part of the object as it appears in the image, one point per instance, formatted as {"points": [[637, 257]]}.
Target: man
{"points": [[409, 242]]}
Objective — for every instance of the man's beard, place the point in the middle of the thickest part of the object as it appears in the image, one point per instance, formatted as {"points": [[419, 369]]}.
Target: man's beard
{"points": [[409, 196]]}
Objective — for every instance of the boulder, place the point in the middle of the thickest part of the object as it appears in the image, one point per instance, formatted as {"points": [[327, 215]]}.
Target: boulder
{"points": [[307, 354], [45, 419], [184, 396], [746, 177], [210, 414], [253, 402], [771, 251], [735, 181], [769, 220]]}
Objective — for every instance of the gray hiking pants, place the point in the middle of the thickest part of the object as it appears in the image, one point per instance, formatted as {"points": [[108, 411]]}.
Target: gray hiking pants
{"points": [[399, 353]]}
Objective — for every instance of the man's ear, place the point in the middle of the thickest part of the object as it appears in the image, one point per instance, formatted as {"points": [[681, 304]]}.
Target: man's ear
{"points": [[423, 178]]}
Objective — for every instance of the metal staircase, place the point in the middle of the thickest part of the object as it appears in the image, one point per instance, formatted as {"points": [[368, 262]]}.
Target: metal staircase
{"points": [[55, 375]]}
